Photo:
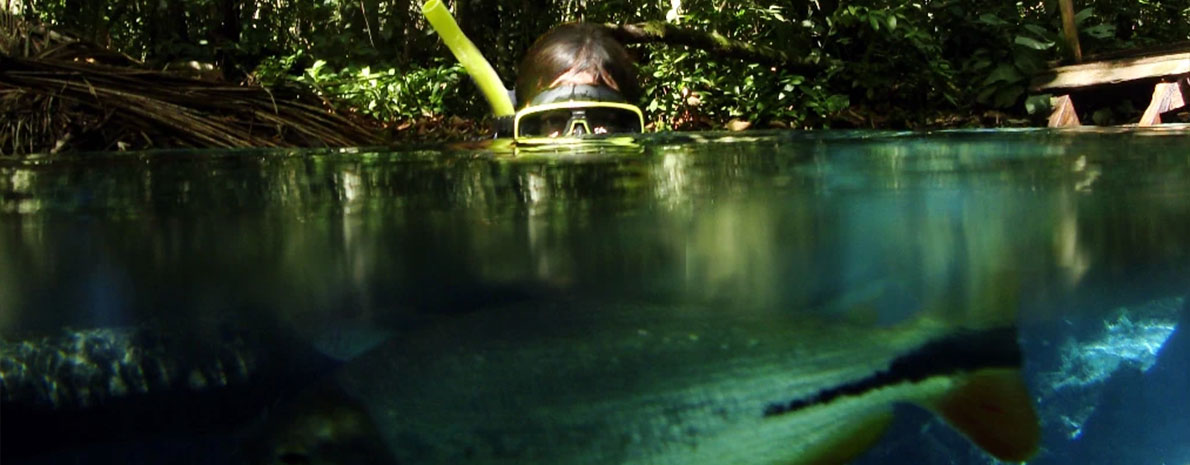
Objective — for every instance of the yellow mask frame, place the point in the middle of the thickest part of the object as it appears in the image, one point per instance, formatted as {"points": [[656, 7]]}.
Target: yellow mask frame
{"points": [[519, 119]]}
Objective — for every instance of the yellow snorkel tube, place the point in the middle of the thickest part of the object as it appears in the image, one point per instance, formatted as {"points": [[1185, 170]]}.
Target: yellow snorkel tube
{"points": [[477, 67]]}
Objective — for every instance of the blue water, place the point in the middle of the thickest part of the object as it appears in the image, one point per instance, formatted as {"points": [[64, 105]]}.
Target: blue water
{"points": [[308, 258]]}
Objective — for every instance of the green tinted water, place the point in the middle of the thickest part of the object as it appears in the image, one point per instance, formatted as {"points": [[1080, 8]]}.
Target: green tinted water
{"points": [[775, 220], [1068, 226]]}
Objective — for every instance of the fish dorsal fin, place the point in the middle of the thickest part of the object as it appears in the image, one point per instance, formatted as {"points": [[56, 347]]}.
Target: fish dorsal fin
{"points": [[993, 408]]}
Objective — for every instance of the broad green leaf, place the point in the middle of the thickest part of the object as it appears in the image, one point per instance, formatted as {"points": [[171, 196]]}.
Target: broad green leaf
{"points": [[1083, 15], [1007, 96], [837, 102], [1102, 116], [979, 64], [985, 95], [1101, 31], [1039, 31], [1032, 43], [1003, 73], [1028, 62], [991, 20], [1038, 104]]}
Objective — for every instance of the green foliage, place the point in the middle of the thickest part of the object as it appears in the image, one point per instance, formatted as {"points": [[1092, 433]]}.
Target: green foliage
{"points": [[859, 39], [909, 59], [385, 94], [688, 90], [1003, 67]]}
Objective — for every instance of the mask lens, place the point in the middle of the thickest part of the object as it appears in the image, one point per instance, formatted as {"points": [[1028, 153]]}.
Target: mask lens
{"points": [[550, 123], [613, 121], [568, 122]]}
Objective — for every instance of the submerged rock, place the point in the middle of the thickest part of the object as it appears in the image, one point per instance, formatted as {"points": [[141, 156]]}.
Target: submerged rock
{"points": [[85, 368], [1129, 338], [115, 385]]}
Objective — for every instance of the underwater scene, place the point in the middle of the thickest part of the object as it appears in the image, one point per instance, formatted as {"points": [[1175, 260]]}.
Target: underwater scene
{"points": [[954, 297]]}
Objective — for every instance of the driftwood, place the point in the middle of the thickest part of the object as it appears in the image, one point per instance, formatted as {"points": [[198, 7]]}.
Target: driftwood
{"points": [[666, 33], [58, 94]]}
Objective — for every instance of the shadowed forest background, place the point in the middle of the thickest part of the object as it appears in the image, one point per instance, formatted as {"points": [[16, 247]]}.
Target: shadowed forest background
{"points": [[874, 63]]}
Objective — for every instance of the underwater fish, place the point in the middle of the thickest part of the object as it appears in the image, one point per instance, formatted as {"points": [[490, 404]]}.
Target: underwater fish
{"points": [[569, 383]]}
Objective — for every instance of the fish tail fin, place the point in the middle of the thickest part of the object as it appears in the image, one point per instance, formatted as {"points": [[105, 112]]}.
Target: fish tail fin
{"points": [[852, 439], [993, 408]]}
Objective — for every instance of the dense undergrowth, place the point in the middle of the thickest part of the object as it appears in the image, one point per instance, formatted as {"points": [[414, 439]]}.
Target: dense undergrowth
{"points": [[881, 63]]}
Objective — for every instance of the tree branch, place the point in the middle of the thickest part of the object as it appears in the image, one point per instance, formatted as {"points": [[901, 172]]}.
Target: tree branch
{"points": [[660, 31]]}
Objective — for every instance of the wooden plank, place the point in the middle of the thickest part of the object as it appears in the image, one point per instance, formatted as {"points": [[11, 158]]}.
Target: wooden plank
{"points": [[1065, 78], [1166, 96], [1063, 115]]}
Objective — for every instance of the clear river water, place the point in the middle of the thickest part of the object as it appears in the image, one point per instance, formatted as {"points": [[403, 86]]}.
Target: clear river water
{"points": [[174, 306]]}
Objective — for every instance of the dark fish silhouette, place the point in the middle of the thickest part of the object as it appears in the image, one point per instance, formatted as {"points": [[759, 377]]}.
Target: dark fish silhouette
{"points": [[594, 384]]}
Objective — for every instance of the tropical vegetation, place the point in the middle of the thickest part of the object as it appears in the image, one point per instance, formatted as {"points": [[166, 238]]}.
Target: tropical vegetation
{"points": [[878, 63]]}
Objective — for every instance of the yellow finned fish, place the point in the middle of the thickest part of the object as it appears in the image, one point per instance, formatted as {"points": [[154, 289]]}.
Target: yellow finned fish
{"points": [[566, 383]]}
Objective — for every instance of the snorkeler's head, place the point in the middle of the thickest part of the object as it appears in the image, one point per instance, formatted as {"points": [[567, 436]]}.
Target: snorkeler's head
{"points": [[576, 54], [576, 80]]}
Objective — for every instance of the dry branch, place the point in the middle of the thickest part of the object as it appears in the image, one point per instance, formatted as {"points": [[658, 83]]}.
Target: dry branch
{"points": [[171, 111], [58, 93]]}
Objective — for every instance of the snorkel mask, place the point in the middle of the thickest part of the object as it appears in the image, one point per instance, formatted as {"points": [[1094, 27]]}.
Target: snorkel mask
{"points": [[558, 115], [570, 111]]}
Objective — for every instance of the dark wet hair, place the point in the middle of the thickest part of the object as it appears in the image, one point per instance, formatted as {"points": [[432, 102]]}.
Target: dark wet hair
{"points": [[576, 48]]}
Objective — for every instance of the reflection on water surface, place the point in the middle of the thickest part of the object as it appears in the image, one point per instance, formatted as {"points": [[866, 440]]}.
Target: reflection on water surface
{"points": [[336, 251]]}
